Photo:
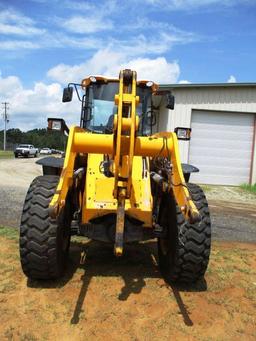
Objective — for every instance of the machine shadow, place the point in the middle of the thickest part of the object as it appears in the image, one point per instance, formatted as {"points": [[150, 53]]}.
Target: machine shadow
{"points": [[138, 263], [184, 310]]}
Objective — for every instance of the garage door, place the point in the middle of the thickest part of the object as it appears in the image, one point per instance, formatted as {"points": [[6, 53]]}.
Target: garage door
{"points": [[221, 147]]}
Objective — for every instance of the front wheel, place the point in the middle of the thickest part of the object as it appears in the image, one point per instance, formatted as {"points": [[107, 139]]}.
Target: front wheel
{"points": [[184, 252], [44, 242]]}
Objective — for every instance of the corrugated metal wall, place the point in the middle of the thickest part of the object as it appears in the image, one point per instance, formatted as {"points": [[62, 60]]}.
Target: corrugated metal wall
{"points": [[234, 99]]}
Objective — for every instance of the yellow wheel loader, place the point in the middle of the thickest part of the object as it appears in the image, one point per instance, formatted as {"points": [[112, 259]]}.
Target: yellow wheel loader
{"points": [[119, 183]]}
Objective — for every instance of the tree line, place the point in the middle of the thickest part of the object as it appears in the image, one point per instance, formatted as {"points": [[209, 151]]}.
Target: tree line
{"points": [[40, 138]]}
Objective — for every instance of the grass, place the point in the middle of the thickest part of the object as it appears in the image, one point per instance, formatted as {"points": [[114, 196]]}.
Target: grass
{"points": [[206, 188], [9, 233], [249, 188], [6, 154], [8, 259]]}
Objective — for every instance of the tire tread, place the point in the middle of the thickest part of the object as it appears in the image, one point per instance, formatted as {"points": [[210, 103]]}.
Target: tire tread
{"points": [[193, 243], [38, 232]]}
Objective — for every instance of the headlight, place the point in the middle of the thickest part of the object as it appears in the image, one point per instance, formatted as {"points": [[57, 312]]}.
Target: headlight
{"points": [[93, 79], [183, 133], [56, 125], [149, 84]]}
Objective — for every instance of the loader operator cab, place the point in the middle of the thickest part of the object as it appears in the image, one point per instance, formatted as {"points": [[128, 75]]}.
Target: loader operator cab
{"points": [[98, 107]]}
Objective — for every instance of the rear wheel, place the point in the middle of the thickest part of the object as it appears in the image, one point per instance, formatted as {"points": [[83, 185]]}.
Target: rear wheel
{"points": [[44, 242], [184, 252]]}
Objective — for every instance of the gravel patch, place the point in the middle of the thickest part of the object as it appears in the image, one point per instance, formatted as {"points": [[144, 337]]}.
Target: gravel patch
{"points": [[229, 193], [11, 203], [233, 221], [15, 178]]}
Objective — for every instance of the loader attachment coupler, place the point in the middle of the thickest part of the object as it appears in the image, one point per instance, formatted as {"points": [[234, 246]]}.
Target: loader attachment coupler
{"points": [[130, 191], [119, 238]]}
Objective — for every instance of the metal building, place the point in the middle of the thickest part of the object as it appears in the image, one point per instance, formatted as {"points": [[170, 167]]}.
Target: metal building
{"points": [[223, 122]]}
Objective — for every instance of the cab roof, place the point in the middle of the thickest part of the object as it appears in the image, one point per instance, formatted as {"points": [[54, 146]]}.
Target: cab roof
{"points": [[91, 79]]}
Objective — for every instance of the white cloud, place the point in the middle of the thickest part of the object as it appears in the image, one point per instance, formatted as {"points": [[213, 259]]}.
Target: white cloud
{"points": [[184, 82], [94, 18], [56, 40], [103, 62], [189, 4], [29, 108], [18, 44], [232, 79], [107, 62], [157, 70], [158, 43], [105, 7], [78, 5], [8, 84], [60, 41], [14, 23], [85, 25]]}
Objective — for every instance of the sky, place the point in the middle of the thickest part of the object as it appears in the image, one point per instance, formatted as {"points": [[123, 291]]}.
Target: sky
{"points": [[44, 44]]}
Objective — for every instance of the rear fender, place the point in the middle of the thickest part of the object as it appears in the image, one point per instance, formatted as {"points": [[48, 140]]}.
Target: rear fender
{"points": [[187, 170], [51, 165]]}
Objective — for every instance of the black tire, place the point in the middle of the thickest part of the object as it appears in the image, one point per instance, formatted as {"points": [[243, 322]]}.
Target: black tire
{"points": [[184, 253], [44, 242], [35, 155], [16, 156]]}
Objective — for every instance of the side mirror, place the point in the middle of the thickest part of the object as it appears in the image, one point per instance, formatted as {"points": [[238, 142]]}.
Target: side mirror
{"points": [[67, 94], [170, 99], [57, 124]]}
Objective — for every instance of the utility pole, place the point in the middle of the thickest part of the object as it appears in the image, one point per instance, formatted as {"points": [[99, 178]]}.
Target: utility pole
{"points": [[6, 120]]}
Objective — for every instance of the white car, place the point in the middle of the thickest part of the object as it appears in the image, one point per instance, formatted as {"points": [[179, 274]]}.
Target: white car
{"points": [[26, 150], [45, 151]]}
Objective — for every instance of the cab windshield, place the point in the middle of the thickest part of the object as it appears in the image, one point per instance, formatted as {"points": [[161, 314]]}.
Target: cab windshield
{"points": [[98, 108]]}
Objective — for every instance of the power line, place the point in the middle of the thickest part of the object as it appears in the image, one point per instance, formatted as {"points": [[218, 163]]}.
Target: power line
{"points": [[6, 120]]}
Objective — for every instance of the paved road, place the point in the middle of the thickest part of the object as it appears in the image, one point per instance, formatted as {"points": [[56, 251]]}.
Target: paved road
{"points": [[235, 221]]}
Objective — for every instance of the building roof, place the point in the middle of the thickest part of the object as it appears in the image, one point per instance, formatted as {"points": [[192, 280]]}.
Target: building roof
{"points": [[208, 85]]}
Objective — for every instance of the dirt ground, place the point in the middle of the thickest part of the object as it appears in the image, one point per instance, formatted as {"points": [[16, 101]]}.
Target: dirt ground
{"points": [[126, 299]]}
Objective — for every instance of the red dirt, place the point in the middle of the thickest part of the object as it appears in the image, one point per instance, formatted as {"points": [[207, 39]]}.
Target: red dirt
{"points": [[127, 299]]}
